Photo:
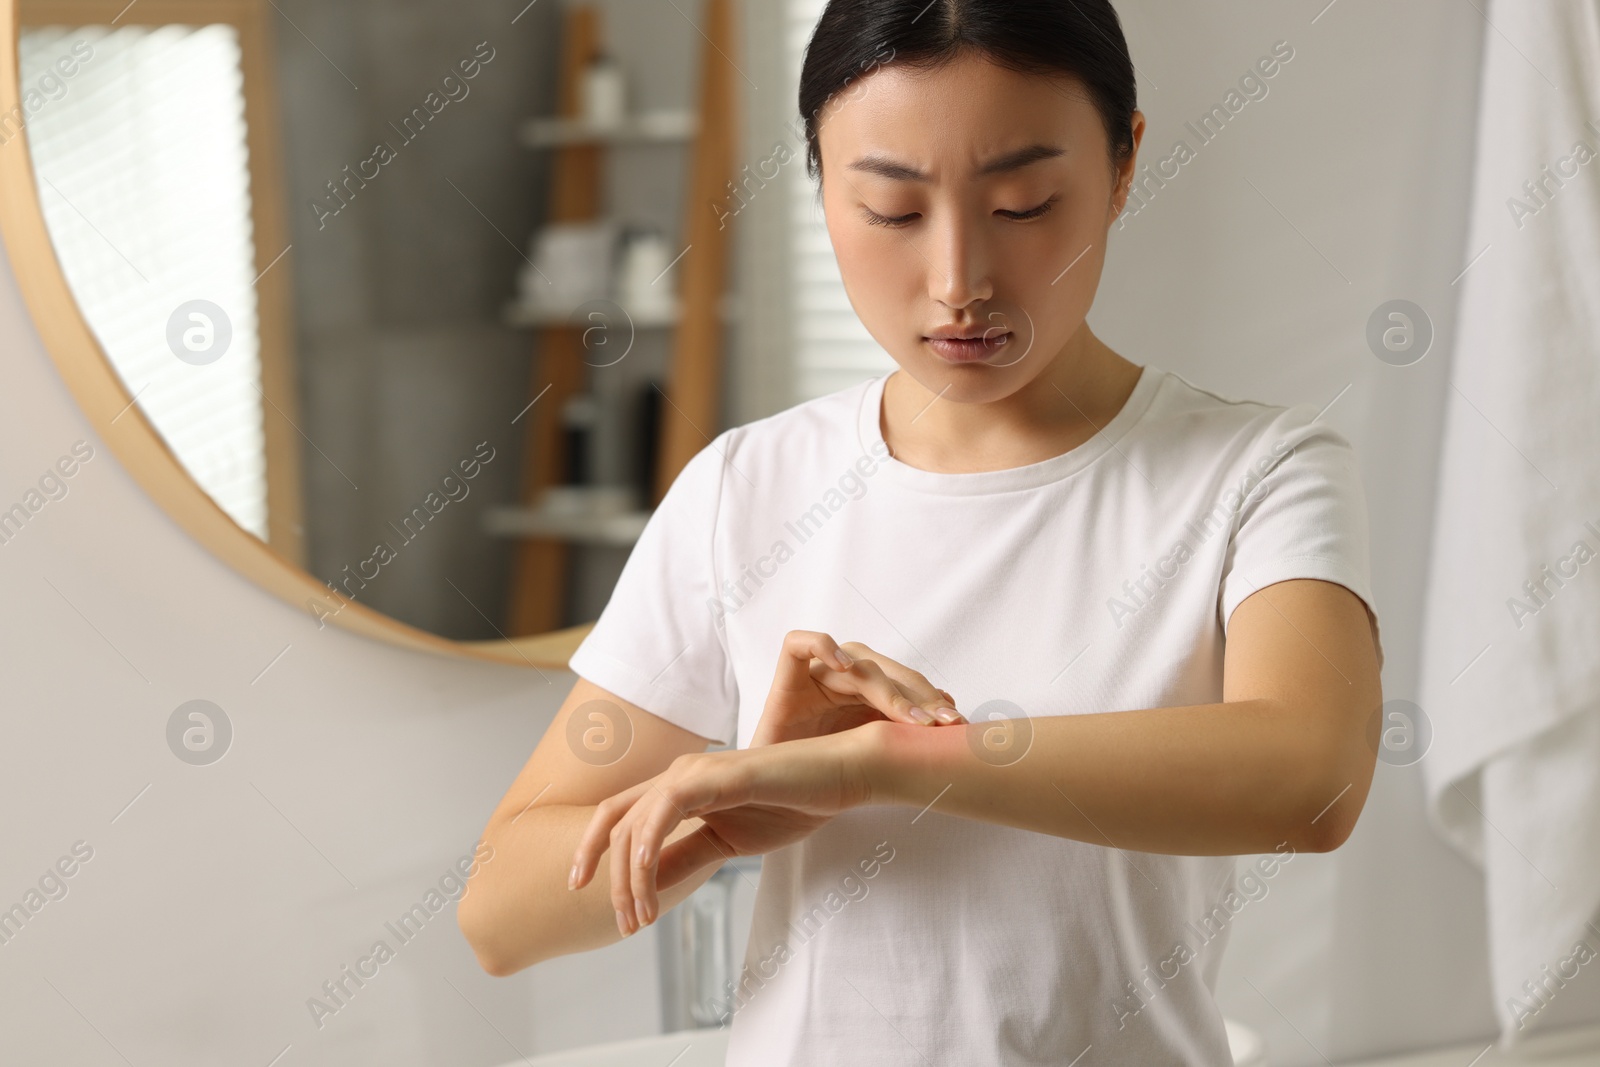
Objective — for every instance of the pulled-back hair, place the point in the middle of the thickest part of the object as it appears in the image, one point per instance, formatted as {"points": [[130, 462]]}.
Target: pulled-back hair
{"points": [[1080, 38]]}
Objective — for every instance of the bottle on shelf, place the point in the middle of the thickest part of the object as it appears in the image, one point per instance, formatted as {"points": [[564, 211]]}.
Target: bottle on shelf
{"points": [[579, 418], [646, 440], [605, 104], [644, 279]]}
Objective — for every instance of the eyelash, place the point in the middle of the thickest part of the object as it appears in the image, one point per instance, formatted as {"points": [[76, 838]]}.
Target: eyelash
{"points": [[875, 219]]}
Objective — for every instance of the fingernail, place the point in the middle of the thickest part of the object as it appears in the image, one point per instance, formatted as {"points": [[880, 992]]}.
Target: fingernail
{"points": [[921, 714], [622, 923], [948, 716], [572, 877], [844, 657], [643, 912]]}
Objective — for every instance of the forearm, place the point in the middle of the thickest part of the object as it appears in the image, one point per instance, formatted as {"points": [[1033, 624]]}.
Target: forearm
{"points": [[517, 909], [1212, 779]]}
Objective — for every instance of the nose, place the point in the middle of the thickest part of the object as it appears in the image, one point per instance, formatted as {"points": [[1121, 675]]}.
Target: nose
{"points": [[958, 263]]}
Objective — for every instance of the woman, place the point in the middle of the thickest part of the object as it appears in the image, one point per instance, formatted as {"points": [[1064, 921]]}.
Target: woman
{"points": [[1151, 601]]}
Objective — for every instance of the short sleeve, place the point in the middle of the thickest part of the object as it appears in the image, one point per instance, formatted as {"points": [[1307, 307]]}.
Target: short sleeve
{"points": [[657, 643], [1303, 515]]}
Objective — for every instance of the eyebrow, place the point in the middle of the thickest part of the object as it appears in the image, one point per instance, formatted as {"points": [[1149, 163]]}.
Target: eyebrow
{"points": [[1022, 157]]}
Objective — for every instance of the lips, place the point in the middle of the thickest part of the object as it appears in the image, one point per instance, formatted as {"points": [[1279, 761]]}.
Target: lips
{"points": [[965, 346]]}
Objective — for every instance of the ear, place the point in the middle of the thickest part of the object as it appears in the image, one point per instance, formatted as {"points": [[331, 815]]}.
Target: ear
{"points": [[1123, 187]]}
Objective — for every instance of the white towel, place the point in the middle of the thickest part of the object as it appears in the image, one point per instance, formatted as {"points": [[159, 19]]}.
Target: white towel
{"points": [[1510, 672]]}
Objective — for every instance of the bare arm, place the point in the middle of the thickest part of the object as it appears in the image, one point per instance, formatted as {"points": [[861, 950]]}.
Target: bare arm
{"points": [[1288, 756], [517, 909]]}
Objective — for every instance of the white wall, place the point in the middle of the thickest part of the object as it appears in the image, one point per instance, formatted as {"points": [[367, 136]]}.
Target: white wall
{"points": [[222, 898], [1360, 162]]}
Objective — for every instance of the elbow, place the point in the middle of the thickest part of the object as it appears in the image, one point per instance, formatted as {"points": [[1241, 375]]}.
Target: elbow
{"points": [[493, 967], [1325, 834], [1310, 832], [479, 938], [1328, 815], [492, 964], [489, 942]]}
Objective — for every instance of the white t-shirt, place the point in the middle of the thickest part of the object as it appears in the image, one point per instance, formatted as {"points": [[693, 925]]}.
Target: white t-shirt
{"points": [[1101, 579]]}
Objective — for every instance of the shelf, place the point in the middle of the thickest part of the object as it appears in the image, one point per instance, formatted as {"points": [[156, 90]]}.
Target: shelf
{"points": [[619, 530], [703, 131], [660, 127], [522, 314]]}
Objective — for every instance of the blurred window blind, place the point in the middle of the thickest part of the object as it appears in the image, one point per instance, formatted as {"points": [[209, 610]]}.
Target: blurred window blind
{"points": [[143, 175], [832, 350]]}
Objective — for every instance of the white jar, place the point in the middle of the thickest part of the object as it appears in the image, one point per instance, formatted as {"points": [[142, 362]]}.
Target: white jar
{"points": [[645, 285], [604, 93]]}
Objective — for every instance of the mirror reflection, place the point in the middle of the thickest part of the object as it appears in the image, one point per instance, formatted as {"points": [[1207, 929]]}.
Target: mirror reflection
{"points": [[435, 299]]}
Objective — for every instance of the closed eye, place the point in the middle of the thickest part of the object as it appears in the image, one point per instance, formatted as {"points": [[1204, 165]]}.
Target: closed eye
{"points": [[1031, 213], [875, 219]]}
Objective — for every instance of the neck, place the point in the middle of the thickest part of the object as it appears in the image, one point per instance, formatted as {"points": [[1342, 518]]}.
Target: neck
{"points": [[1063, 406]]}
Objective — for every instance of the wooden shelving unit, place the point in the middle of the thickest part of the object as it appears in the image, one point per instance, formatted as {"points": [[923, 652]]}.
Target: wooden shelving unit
{"points": [[520, 313], [616, 530], [663, 127], [692, 398]]}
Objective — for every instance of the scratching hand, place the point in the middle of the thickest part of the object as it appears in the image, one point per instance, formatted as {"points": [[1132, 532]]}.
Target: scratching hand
{"points": [[822, 687]]}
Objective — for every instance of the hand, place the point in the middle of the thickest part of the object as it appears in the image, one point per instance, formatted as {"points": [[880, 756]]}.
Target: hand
{"points": [[823, 688], [750, 801]]}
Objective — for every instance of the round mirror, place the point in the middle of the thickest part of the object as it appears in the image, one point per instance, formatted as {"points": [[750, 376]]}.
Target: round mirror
{"points": [[411, 316]]}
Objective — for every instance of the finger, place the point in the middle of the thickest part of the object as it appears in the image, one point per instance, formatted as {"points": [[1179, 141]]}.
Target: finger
{"points": [[694, 784], [868, 684], [700, 785], [688, 854], [871, 684], [656, 816], [596, 836], [621, 879], [913, 683], [791, 682], [800, 647]]}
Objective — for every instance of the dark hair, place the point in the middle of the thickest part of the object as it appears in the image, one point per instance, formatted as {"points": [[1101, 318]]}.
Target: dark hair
{"points": [[1082, 38]]}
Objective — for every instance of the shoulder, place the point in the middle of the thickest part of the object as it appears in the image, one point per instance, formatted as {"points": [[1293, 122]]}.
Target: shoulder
{"points": [[1194, 428], [812, 435], [829, 417]]}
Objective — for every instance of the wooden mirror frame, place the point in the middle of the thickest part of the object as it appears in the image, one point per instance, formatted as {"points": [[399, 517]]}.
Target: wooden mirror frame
{"points": [[122, 425]]}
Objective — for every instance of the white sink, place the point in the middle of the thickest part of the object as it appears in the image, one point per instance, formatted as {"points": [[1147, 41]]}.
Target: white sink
{"points": [[1568, 1047], [708, 1048]]}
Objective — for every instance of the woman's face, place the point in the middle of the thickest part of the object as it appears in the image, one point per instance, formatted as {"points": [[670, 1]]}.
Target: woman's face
{"points": [[973, 198]]}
